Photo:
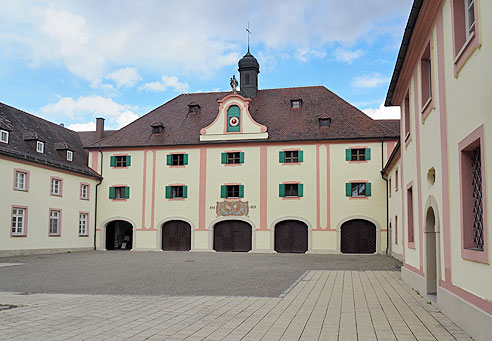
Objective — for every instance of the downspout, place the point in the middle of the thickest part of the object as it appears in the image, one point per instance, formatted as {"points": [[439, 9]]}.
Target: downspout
{"points": [[95, 208], [387, 200]]}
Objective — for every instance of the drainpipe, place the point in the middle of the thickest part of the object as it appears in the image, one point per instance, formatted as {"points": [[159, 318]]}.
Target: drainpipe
{"points": [[387, 200], [95, 208]]}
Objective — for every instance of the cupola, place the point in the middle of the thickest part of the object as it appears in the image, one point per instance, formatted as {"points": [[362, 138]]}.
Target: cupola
{"points": [[248, 75]]}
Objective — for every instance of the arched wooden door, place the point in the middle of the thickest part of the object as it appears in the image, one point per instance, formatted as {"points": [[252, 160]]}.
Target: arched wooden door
{"points": [[232, 236], [291, 236], [119, 235], [176, 236], [358, 236]]}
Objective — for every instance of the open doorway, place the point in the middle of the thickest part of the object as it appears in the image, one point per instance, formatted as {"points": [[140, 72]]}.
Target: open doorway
{"points": [[432, 254], [119, 235]]}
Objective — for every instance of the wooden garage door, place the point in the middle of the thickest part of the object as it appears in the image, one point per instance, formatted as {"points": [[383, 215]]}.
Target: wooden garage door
{"points": [[176, 236], [232, 236], [358, 236], [291, 236]]}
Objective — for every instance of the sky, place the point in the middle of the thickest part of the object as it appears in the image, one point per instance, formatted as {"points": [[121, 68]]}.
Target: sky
{"points": [[72, 61]]}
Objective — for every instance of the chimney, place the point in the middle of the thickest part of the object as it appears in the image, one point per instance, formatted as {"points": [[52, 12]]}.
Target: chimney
{"points": [[99, 128]]}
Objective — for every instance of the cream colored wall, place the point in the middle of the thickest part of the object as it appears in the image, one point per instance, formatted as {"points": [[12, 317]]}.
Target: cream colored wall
{"points": [[468, 101], [395, 208], [39, 201]]}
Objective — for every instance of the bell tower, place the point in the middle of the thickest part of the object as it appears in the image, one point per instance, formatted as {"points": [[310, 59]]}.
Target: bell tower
{"points": [[248, 75]]}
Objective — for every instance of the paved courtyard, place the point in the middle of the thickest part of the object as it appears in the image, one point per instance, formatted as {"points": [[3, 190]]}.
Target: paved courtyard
{"points": [[323, 304]]}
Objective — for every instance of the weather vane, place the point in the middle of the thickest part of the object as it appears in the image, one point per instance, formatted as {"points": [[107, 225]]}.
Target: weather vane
{"points": [[249, 33]]}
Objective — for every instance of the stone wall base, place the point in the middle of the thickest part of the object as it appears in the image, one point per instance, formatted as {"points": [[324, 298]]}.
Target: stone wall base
{"points": [[415, 281], [32, 252]]}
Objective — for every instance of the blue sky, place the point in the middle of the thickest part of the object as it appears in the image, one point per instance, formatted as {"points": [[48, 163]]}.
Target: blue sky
{"points": [[72, 61]]}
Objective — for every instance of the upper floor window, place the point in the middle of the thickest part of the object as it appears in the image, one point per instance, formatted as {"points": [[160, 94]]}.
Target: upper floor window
{"points": [[176, 192], [69, 155], [324, 122], [20, 182], [396, 180], [469, 17], [119, 192], [120, 161], [56, 186], [426, 76], [84, 191], [291, 190], [193, 108], [4, 136], [406, 112], [291, 156], [40, 147], [358, 189], [232, 158], [296, 103], [411, 238], [389, 186], [232, 191], [156, 130], [83, 222], [358, 154], [465, 31]]}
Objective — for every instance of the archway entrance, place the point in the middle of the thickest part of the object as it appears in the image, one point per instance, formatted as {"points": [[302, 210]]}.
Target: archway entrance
{"points": [[232, 236], [119, 235], [358, 236], [431, 250], [291, 236], [176, 236]]}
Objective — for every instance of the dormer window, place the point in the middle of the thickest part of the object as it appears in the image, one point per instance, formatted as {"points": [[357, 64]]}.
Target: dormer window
{"points": [[193, 108], [4, 136], [157, 128], [40, 147], [296, 103], [69, 155], [324, 122]]}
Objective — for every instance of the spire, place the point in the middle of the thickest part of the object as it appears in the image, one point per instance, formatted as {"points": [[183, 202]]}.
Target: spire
{"points": [[249, 33]]}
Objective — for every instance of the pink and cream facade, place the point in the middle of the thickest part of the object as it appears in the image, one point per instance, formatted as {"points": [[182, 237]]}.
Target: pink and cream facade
{"points": [[441, 211]]}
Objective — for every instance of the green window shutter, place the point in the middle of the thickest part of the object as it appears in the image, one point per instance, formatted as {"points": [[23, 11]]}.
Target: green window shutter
{"points": [[127, 192], [241, 191], [111, 192], [112, 161], [168, 192], [348, 189], [348, 154], [128, 160], [368, 153], [281, 157], [281, 190], [185, 191], [301, 156], [241, 157], [185, 159], [368, 189], [223, 191], [169, 158], [300, 190], [224, 158]]}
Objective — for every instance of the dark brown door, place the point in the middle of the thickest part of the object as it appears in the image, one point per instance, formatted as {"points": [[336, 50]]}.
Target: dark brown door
{"points": [[291, 236], [176, 236], [358, 236], [232, 236]]}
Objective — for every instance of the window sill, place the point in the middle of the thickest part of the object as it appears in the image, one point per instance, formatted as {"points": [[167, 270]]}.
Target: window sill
{"points": [[358, 198], [20, 190], [86, 199], [465, 52], [176, 166], [359, 161], [55, 195], [427, 108], [54, 235], [291, 163], [232, 199], [478, 256], [18, 235], [83, 235], [411, 245], [119, 200], [176, 199], [408, 139], [232, 164], [291, 198]]}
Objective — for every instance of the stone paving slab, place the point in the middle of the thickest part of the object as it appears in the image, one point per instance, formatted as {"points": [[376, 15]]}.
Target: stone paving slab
{"points": [[324, 305]]}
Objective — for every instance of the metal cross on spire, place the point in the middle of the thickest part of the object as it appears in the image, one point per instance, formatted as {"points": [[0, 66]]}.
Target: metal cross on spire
{"points": [[249, 33]]}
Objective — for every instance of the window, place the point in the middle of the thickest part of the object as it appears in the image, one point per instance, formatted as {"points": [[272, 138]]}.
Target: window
{"points": [[426, 76], [83, 222], [291, 190], [291, 156], [396, 229], [358, 154], [56, 186], [18, 221], [40, 147], [4, 136], [465, 31], [396, 180], [177, 159], [406, 112], [69, 155], [176, 192], [119, 192], [411, 239], [20, 182], [247, 79], [358, 189], [324, 122], [156, 130], [193, 108], [84, 191], [469, 18], [231, 158], [473, 197], [120, 161], [389, 186], [233, 119], [232, 191], [296, 103], [55, 217]]}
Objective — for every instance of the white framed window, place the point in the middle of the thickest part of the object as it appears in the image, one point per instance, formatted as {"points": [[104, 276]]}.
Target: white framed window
{"points": [[54, 223], [83, 222], [4, 136], [469, 17], [40, 147], [56, 186], [84, 191], [69, 155], [20, 181], [18, 221]]}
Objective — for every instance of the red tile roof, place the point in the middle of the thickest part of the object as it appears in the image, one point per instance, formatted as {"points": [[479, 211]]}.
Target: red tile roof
{"points": [[270, 107], [393, 125]]}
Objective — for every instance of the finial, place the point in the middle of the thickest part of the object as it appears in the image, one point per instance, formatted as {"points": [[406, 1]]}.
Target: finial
{"points": [[249, 33], [234, 84]]}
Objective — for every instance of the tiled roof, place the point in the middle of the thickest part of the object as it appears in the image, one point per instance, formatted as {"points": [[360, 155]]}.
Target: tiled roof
{"points": [[26, 128], [270, 107], [393, 125], [89, 137]]}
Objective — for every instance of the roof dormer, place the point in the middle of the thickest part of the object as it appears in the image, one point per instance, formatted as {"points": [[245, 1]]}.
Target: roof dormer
{"points": [[193, 108], [157, 128]]}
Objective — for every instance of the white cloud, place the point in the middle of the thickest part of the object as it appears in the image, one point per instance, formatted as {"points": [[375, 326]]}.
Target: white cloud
{"points": [[346, 56], [383, 112], [89, 126], [126, 77], [117, 115], [305, 54], [166, 82], [370, 81]]}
